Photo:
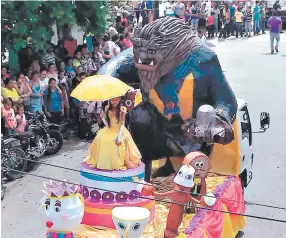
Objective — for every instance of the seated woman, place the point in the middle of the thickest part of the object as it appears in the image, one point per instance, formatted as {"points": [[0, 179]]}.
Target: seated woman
{"points": [[113, 148]]}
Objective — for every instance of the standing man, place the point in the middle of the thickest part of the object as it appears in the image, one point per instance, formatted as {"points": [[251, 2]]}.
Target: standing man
{"points": [[179, 9], [274, 24], [262, 17], [194, 16], [232, 10], [256, 18], [277, 7]]}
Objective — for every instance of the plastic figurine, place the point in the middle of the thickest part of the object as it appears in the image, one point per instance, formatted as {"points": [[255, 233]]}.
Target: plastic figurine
{"points": [[130, 221], [200, 162], [177, 75], [62, 208], [184, 181]]}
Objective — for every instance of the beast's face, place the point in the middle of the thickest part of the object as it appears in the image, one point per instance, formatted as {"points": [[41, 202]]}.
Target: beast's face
{"points": [[147, 57], [159, 47]]}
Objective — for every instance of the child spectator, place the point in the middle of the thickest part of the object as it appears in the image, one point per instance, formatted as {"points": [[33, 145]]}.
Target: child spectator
{"points": [[9, 117], [70, 69], [76, 59], [238, 22], [21, 119], [248, 19], [211, 26]]}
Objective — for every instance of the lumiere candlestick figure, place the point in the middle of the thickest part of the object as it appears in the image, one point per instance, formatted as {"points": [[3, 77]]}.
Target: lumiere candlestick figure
{"points": [[184, 181]]}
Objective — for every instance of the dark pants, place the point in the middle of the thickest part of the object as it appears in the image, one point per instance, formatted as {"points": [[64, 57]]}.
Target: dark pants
{"points": [[231, 27], [262, 24], [137, 13], [84, 129], [227, 31], [211, 29], [2, 126], [238, 29], [56, 117]]}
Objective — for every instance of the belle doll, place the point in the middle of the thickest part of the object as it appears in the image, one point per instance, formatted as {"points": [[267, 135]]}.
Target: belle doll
{"points": [[113, 148]]}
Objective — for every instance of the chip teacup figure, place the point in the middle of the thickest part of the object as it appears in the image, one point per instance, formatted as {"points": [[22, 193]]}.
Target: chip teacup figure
{"points": [[130, 221]]}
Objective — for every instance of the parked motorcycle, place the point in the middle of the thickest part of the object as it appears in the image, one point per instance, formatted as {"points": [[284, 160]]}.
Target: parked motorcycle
{"points": [[12, 157], [41, 137]]}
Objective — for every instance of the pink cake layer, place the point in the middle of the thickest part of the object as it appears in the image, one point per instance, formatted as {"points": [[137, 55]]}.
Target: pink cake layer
{"points": [[100, 214]]}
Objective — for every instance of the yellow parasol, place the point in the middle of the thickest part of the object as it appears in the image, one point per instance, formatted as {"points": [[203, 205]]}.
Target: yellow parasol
{"points": [[99, 88]]}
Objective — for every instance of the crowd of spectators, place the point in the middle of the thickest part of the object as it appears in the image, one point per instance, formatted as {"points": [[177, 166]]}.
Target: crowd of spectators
{"points": [[45, 82]]}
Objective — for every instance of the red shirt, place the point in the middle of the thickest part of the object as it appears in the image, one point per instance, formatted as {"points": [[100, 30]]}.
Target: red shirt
{"points": [[127, 43], [125, 21], [210, 20]]}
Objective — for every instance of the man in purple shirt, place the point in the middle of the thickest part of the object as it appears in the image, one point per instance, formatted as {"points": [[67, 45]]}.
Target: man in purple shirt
{"points": [[274, 24]]}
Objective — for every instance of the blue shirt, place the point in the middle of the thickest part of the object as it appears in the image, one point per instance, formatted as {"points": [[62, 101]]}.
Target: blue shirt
{"points": [[53, 103], [232, 11], [256, 13]]}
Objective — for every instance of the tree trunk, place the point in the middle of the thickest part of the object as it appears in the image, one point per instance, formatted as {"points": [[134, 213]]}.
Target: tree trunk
{"points": [[13, 62]]}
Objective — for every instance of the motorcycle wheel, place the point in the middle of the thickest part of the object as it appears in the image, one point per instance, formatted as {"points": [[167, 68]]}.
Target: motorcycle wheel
{"points": [[15, 160], [57, 141]]}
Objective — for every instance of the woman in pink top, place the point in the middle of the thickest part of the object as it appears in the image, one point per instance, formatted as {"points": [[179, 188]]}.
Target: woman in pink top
{"points": [[9, 116], [127, 41], [21, 119]]}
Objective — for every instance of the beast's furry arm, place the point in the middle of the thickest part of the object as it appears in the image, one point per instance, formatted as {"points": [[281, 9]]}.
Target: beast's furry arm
{"points": [[223, 98], [122, 63], [224, 102]]}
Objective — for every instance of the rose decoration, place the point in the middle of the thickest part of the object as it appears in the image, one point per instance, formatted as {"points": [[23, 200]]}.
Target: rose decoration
{"points": [[107, 197], [84, 192], [134, 195], [95, 196], [121, 197]]}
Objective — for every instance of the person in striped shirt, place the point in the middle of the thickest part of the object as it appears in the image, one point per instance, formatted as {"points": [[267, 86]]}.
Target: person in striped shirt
{"points": [[49, 57], [248, 20]]}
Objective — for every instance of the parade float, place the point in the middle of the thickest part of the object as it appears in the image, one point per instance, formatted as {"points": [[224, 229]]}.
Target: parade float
{"points": [[185, 125]]}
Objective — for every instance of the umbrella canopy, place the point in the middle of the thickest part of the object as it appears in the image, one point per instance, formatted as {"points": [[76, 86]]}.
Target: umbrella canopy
{"points": [[99, 88]]}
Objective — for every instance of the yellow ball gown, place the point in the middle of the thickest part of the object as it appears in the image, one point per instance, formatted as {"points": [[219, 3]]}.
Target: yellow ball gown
{"points": [[105, 154]]}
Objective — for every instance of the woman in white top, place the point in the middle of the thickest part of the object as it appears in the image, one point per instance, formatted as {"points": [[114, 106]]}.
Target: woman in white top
{"points": [[114, 49]]}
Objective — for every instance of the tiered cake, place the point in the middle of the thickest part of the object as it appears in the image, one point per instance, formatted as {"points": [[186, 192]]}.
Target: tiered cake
{"points": [[121, 184]]}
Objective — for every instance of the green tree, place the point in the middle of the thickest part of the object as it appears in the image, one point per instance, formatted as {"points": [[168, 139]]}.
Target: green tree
{"points": [[30, 22]]}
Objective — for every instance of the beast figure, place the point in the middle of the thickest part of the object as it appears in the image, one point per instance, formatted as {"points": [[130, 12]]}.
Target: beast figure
{"points": [[177, 74]]}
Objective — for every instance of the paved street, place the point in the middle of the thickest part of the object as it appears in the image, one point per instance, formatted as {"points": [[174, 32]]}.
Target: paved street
{"points": [[256, 76]]}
